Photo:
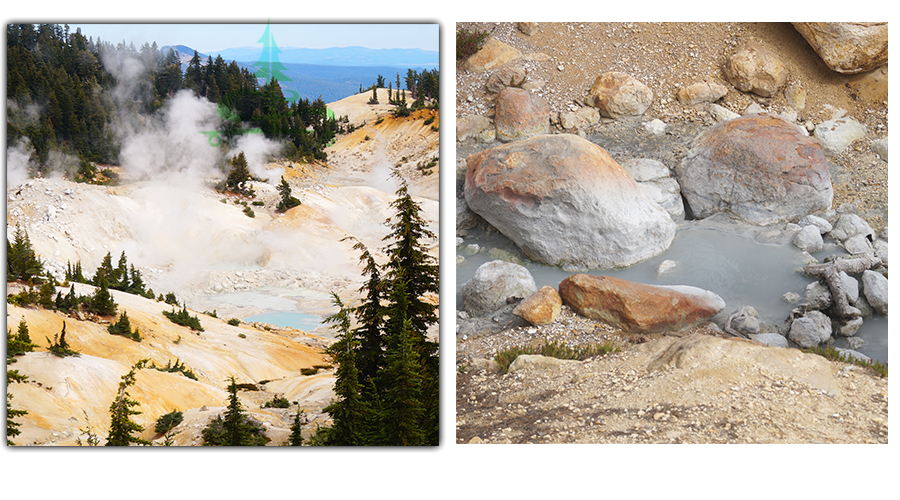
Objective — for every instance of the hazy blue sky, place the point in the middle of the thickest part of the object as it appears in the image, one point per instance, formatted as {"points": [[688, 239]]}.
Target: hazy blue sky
{"points": [[215, 37]]}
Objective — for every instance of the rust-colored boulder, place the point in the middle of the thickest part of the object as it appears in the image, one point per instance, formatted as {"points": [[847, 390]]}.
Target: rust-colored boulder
{"points": [[848, 47], [638, 308], [520, 114], [759, 168], [540, 308]]}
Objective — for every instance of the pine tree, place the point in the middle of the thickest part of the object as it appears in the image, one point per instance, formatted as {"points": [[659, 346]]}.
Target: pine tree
{"points": [[21, 261], [101, 302], [374, 99], [123, 328], [12, 427], [349, 412], [59, 347], [287, 201], [121, 426], [296, 439], [239, 176], [370, 315], [403, 378]]}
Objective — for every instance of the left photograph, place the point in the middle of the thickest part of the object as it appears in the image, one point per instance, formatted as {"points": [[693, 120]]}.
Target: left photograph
{"points": [[222, 234]]}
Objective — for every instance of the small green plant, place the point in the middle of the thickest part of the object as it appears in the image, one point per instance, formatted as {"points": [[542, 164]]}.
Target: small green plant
{"points": [[234, 322], [554, 350], [59, 347], [249, 212], [309, 371], [835, 355], [257, 203], [429, 120], [241, 335], [169, 421], [277, 402], [178, 367], [123, 328], [213, 313], [184, 318], [469, 42]]}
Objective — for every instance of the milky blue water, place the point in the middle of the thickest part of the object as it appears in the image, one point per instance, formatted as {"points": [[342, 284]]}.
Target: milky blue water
{"points": [[732, 265], [298, 320]]}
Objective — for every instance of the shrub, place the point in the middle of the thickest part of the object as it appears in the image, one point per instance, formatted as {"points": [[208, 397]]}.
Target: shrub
{"points": [[234, 322], [469, 42], [309, 371], [835, 355], [554, 350], [178, 367], [277, 402], [123, 328], [184, 318], [249, 212], [168, 421]]}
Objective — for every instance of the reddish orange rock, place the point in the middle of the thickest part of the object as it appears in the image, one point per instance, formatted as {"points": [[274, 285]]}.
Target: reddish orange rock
{"points": [[540, 308], [638, 308]]}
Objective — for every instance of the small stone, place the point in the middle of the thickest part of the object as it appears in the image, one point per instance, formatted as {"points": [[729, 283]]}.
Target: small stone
{"points": [[664, 266], [837, 135], [655, 127]]}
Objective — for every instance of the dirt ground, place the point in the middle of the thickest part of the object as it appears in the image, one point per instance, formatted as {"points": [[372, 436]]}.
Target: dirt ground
{"points": [[566, 58]]}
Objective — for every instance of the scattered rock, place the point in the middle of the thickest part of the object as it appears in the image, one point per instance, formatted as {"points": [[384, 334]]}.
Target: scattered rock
{"points": [[701, 92], [812, 220], [638, 308], [721, 114], [810, 330], [850, 327], [836, 135], [514, 76], [520, 114], [655, 127], [849, 225], [851, 354], [538, 362], [527, 28], [657, 183], [754, 68], [760, 168], [550, 189], [818, 296], [809, 239], [494, 282], [664, 266], [848, 47], [769, 339], [493, 54], [540, 308], [475, 126], [746, 320], [618, 94], [880, 147], [583, 118], [795, 96], [875, 287], [859, 245]]}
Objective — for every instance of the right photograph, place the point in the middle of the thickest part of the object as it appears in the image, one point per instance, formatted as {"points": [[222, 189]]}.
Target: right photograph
{"points": [[671, 232]]}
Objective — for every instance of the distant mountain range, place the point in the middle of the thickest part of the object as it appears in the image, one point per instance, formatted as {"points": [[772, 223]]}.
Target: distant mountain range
{"points": [[332, 73]]}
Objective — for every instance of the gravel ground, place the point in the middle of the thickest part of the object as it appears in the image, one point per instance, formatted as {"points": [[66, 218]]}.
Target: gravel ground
{"points": [[564, 59]]}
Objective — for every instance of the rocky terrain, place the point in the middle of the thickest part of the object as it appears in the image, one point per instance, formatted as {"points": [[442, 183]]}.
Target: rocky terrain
{"points": [[188, 239], [695, 385]]}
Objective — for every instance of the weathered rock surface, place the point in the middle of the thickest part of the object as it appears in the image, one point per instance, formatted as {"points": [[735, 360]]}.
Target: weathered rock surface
{"points": [[850, 225], [635, 307], [701, 92], [875, 287], [494, 282], [493, 54], [582, 118], [809, 239], [754, 68], [476, 127], [618, 94], [508, 76], [836, 135], [540, 308], [565, 202], [848, 47], [759, 168], [811, 329], [658, 184], [520, 114]]}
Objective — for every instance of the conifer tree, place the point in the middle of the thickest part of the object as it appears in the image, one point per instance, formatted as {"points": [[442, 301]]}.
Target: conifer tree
{"points": [[370, 315], [287, 201], [404, 408], [102, 302], [121, 426], [12, 427], [21, 261], [239, 176], [123, 328], [296, 439], [349, 412]]}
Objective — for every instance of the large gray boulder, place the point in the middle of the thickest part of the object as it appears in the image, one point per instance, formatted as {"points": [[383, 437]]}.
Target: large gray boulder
{"points": [[495, 282], [566, 202], [810, 330], [759, 168]]}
